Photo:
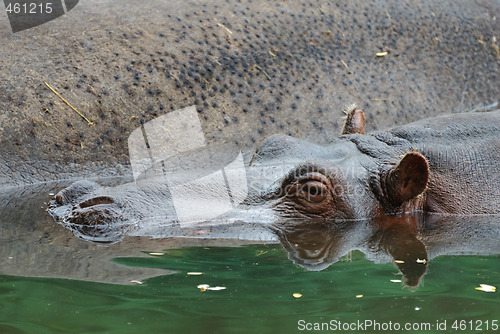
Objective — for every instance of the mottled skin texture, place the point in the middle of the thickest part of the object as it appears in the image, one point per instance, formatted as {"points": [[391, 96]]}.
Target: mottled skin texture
{"points": [[252, 68], [448, 164]]}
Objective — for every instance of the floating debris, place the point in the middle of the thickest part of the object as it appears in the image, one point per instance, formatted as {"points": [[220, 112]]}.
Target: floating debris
{"points": [[487, 288], [381, 54], [194, 273], [297, 295], [205, 287], [261, 253]]}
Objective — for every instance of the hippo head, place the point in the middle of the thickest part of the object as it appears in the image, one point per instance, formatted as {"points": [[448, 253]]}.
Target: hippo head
{"points": [[354, 177]]}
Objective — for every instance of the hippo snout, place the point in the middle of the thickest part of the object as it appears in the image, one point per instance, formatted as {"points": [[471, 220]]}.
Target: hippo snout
{"points": [[89, 214]]}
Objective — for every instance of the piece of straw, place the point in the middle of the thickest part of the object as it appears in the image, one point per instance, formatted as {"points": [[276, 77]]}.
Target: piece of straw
{"points": [[62, 98]]}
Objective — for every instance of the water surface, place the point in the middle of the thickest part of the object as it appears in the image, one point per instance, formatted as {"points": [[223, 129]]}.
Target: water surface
{"points": [[384, 272]]}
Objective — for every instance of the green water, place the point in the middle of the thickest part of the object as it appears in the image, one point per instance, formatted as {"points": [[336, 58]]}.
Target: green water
{"points": [[260, 282]]}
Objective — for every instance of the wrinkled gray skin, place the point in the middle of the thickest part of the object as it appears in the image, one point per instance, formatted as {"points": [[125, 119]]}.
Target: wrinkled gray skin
{"points": [[252, 68], [456, 170], [448, 164]]}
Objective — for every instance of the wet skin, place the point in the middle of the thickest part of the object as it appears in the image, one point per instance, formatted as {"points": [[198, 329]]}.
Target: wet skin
{"points": [[448, 165]]}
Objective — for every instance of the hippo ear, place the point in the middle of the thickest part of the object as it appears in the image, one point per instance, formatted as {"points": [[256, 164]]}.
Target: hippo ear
{"points": [[355, 122], [408, 179]]}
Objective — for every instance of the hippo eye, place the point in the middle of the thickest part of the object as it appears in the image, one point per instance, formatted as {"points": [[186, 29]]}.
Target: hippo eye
{"points": [[314, 191], [311, 192]]}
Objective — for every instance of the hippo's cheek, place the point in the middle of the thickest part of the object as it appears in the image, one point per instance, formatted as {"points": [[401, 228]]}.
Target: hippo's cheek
{"points": [[98, 223]]}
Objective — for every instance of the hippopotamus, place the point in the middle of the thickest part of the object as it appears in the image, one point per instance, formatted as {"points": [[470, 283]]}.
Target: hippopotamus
{"points": [[447, 165]]}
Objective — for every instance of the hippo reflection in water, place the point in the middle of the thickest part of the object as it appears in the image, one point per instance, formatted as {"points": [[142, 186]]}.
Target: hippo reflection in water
{"points": [[410, 241]]}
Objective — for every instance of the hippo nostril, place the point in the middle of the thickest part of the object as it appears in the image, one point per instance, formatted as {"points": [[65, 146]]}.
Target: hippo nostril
{"points": [[59, 199], [96, 200]]}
